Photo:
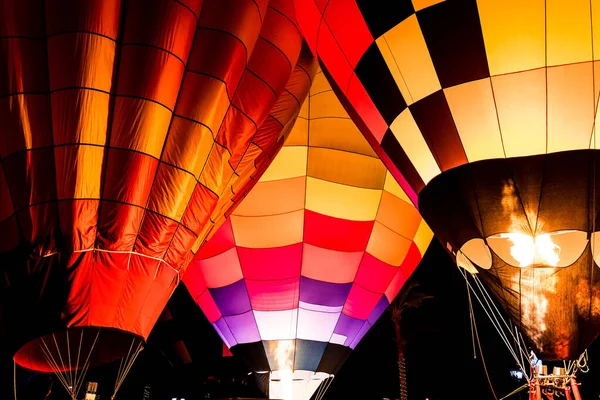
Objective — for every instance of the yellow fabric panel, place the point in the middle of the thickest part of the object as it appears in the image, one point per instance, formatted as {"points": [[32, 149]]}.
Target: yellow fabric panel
{"points": [[421, 4], [474, 112], [217, 171], [398, 215], [387, 246], [270, 231], [570, 107], [207, 105], [410, 62], [325, 104], [89, 164], [423, 237], [172, 191], [346, 168], [341, 201], [409, 136], [319, 84], [521, 105], [289, 163], [274, 197], [338, 133], [392, 186], [298, 136], [188, 145], [314, 258], [514, 34], [80, 166], [568, 31], [139, 125], [80, 116], [595, 25]]}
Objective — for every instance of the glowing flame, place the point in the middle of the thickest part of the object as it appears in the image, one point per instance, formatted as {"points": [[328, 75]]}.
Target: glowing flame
{"points": [[283, 358], [529, 250]]}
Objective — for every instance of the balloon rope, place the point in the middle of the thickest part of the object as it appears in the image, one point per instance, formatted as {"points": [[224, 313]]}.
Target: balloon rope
{"points": [[54, 365], [15, 379], [320, 389], [78, 354], [326, 386], [69, 357], [64, 368], [495, 323], [484, 365], [126, 364], [87, 362]]}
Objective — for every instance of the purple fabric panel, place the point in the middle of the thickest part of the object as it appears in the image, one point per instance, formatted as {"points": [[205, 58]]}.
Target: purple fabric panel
{"points": [[365, 328], [243, 327], [223, 331], [379, 309], [323, 293], [232, 299], [348, 327]]}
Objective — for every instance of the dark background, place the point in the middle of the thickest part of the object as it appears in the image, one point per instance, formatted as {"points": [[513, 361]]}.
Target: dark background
{"points": [[440, 362]]}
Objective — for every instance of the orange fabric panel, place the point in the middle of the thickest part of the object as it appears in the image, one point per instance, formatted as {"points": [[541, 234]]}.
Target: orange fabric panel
{"points": [[380, 245], [398, 215], [222, 269], [329, 265], [171, 192], [188, 145], [256, 232], [99, 16], [78, 171], [139, 125], [217, 170], [290, 194]]}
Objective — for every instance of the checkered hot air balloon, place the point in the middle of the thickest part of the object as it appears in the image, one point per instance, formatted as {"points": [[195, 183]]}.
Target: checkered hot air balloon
{"points": [[485, 111]]}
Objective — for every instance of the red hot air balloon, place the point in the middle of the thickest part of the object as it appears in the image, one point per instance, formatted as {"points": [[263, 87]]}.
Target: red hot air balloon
{"points": [[127, 129], [486, 113], [312, 256]]}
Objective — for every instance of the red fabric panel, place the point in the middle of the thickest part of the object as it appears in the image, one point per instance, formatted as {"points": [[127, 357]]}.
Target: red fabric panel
{"points": [[220, 242], [194, 279], [179, 25], [78, 219], [271, 263], [141, 169], [413, 257], [101, 16], [26, 61], [178, 255], [309, 20], [339, 15], [35, 111], [360, 302], [138, 77], [199, 208], [364, 106], [274, 295], [9, 234], [374, 274], [39, 227], [155, 234], [333, 57], [395, 285], [335, 233], [118, 225], [6, 203], [209, 307], [229, 69]]}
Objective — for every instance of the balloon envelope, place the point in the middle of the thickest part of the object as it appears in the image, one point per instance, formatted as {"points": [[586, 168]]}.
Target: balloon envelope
{"points": [[485, 112], [127, 129], [312, 256]]}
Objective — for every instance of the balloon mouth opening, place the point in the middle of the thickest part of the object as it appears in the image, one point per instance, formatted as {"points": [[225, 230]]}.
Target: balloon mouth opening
{"points": [[75, 349]]}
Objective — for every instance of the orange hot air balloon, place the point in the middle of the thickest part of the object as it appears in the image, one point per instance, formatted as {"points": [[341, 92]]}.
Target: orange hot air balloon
{"points": [[485, 111], [127, 129], [312, 256]]}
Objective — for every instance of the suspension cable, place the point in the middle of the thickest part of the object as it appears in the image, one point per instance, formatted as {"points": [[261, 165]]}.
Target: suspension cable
{"points": [[126, 364]]}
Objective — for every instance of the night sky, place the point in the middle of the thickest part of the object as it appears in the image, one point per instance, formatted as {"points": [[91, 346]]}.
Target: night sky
{"points": [[440, 361]]}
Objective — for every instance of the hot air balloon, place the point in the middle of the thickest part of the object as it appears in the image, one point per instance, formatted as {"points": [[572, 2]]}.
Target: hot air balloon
{"points": [[127, 130], [312, 256], [485, 111]]}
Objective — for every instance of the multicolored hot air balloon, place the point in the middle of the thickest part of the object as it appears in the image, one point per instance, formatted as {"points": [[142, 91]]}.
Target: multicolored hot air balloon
{"points": [[486, 111], [128, 127], [312, 256]]}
